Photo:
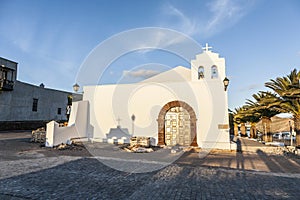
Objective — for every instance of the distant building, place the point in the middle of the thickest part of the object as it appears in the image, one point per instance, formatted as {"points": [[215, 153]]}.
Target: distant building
{"points": [[26, 106], [278, 124]]}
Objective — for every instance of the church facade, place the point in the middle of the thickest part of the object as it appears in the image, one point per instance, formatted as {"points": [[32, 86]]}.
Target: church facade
{"points": [[181, 106]]}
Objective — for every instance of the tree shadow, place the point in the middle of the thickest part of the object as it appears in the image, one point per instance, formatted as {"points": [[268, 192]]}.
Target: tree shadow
{"points": [[240, 160], [273, 166]]}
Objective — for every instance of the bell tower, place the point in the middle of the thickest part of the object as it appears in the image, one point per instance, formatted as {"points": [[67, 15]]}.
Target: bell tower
{"points": [[208, 66]]}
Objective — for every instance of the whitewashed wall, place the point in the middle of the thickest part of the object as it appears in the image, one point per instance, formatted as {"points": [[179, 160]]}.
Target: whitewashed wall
{"points": [[77, 126], [145, 100]]}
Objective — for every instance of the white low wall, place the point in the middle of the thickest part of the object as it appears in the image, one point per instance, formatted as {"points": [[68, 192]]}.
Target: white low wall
{"points": [[77, 126]]}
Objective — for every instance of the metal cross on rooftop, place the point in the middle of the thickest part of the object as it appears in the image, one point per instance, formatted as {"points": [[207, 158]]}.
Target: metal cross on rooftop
{"points": [[206, 48]]}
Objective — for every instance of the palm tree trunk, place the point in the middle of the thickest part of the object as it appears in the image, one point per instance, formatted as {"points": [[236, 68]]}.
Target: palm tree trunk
{"points": [[236, 129], [266, 122], [297, 129], [243, 130], [253, 130]]}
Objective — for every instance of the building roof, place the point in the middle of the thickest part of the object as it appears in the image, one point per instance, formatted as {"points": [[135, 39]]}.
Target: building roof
{"points": [[177, 74]]}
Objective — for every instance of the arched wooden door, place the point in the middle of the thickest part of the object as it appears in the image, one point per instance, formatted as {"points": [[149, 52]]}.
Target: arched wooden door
{"points": [[177, 124]]}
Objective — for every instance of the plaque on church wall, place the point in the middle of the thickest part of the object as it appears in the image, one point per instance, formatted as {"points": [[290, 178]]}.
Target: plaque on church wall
{"points": [[223, 126]]}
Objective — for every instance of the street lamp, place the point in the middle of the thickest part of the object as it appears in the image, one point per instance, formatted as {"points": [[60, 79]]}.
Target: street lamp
{"points": [[76, 87], [226, 83], [132, 118], [77, 96]]}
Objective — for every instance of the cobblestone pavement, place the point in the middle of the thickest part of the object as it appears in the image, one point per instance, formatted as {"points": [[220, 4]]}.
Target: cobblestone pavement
{"points": [[49, 174]]}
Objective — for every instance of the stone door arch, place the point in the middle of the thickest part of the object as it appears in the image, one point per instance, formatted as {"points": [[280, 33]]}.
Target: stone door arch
{"points": [[161, 121]]}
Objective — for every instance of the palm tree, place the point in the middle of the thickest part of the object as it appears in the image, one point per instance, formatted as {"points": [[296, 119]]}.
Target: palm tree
{"points": [[241, 117], [253, 119], [288, 100], [250, 115], [236, 119], [262, 109]]}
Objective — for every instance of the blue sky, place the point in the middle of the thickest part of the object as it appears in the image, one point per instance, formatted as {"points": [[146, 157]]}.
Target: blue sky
{"points": [[50, 39]]}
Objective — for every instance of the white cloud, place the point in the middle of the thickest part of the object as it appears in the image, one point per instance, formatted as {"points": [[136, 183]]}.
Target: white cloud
{"points": [[207, 19], [141, 73], [154, 38], [184, 23], [225, 13], [176, 18]]}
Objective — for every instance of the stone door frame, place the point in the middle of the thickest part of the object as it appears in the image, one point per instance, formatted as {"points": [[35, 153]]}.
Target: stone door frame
{"points": [[161, 121]]}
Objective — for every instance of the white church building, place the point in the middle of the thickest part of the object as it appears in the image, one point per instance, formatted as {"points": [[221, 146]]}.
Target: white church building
{"points": [[182, 106]]}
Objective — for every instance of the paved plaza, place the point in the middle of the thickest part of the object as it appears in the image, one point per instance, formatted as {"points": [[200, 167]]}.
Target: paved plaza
{"points": [[29, 171]]}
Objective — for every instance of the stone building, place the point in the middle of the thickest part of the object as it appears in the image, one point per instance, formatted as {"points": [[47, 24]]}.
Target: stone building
{"points": [[26, 106]]}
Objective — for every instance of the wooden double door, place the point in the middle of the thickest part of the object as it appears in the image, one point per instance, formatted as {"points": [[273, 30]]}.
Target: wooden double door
{"points": [[177, 127]]}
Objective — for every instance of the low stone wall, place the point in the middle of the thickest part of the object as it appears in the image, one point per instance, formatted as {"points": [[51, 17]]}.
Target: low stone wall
{"points": [[38, 135], [141, 141]]}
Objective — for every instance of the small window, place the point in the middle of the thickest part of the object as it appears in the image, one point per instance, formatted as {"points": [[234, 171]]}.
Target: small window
{"points": [[214, 71], [35, 105], [200, 72], [59, 111]]}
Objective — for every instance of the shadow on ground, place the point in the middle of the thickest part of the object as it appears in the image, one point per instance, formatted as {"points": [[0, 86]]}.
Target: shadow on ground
{"points": [[88, 178], [243, 160]]}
